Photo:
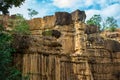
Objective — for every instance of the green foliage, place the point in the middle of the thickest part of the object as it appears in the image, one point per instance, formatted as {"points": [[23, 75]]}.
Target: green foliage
{"points": [[112, 29], [20, 16], [7, 72], [14, 74], [95, 20], [6, 4], [32, 12], [110, 23], [47, 33], [22, 26]]}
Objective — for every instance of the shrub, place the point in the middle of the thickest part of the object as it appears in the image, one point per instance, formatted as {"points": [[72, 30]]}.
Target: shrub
{"points": [[47, 33], [21, 26], [112, 29]]}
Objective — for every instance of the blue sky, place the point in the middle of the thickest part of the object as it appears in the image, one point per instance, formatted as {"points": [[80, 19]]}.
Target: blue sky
{"points": [[48, 7]]}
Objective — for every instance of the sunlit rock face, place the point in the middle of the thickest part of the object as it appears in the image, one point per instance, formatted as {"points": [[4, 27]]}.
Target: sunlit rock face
{"points": [[60, 18], [68, 25], [67, 34], [91, 54]]}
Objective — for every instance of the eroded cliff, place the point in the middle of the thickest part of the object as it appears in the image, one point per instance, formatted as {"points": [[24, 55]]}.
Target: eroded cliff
{"points": [[63, 47]]}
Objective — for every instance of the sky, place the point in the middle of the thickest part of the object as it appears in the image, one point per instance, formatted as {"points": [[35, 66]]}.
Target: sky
{"points": [[106, 8]]}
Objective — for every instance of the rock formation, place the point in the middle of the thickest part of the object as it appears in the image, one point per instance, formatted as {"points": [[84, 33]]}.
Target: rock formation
{"points": [[78, 15], [63, 47], [63, 18]]}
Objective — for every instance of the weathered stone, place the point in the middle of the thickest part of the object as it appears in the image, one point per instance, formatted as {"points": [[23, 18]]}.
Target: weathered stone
{"points": [[65, 54], [52, 44], [56, 33], [78, 15], [36, 24], [79, 37], [21, 42], [91, 29], [62, 18], [48, 22], [112, 35], [112, 45]]}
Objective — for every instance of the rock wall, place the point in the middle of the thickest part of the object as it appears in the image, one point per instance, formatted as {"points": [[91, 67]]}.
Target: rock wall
{"points": [[100, 55], [68, 24], [63, 47]]}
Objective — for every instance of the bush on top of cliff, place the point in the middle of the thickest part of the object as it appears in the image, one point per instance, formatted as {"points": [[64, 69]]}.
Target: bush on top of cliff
{"points": [[47, 33], [21, 26]]}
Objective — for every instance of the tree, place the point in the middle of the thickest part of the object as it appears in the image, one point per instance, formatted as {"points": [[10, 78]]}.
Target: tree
{"points": [[32, 13], [95, 20], [111, 24], [6, 4], [7, 71]]}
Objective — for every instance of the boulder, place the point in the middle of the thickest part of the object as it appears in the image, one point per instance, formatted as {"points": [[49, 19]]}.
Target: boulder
{"points": [[90, 29], [62, 18], [20, 42], [112, 45], [56, 33], [78, 15]]}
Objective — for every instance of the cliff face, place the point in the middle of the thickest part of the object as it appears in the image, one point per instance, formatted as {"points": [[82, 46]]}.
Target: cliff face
{"points": [[99, 51], [65, 23], [63, 47]]}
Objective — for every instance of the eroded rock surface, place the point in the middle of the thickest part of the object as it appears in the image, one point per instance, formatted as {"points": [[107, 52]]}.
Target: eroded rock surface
{"points": [[63, 47], [63, 18], [78, 15]]}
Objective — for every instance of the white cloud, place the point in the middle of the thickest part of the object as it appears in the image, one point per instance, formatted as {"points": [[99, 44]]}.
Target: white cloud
{"points": [[91, 12], [89, 2], [82, 3], [112, 10], [73, 3], [67, 3]]}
